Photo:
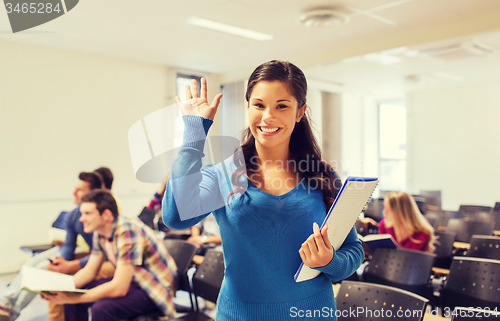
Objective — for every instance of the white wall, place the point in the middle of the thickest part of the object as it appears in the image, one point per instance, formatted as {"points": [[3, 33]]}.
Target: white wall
{"points": [[61, 113], [314, 102], [359, 135], [454, 144]]}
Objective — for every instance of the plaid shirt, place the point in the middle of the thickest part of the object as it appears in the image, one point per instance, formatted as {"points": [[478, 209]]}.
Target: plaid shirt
{"points": [[136, 244]]}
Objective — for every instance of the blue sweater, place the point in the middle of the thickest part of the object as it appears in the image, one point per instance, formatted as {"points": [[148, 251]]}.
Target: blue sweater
{"points": [[73, 227], [261, 236]]}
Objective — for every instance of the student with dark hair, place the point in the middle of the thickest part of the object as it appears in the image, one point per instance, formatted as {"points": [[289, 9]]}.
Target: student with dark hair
{"points": [[94, 179], [64, 263], [144, 278], [107, 176], [14, 299], [266, 227]]}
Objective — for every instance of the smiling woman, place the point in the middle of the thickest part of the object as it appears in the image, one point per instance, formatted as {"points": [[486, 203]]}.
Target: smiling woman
{"points": [[273, 112], [265, 228]]}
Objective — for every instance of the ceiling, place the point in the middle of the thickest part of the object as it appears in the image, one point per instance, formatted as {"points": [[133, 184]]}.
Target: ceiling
{"points": [[335, 56]]}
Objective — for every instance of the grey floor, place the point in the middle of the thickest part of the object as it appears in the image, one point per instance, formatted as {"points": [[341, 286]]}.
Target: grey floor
{"points": [[37, 310]]}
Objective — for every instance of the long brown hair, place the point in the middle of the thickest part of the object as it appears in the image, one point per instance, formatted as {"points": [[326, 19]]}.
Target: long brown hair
{"points": [[407, 215], [303, 147]]}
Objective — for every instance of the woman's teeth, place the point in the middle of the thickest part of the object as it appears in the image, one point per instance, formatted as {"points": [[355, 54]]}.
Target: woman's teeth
{"points": [[269, 130]]}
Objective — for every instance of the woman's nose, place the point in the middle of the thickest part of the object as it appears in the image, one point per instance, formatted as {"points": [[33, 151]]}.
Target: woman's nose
{"points": [[268, 114]]}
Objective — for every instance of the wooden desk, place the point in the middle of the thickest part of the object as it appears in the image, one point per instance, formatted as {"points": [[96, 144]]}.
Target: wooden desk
{"points": [[428, 317], [336, 289], [440, 271], [34, 249], [461, 245], [198, 259]]}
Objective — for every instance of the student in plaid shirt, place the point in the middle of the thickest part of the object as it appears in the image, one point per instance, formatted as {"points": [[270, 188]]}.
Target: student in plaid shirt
{"points": [[144, 277]]}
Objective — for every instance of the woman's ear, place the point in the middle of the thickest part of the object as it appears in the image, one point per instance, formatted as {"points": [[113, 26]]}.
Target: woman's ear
{"points": [[300, 113]]}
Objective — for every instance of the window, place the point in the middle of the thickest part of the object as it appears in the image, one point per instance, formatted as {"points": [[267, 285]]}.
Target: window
{"points": [[392, 146]]}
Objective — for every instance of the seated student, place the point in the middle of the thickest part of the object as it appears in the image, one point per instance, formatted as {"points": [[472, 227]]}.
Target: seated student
{"points": [[155, 205], [107, 177], [56, 312], [206, 234], [404, 221], [14, 299], [144, 277]]}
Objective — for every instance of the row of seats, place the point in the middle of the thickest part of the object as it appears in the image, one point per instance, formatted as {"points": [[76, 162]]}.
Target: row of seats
{"points": [[402, 280], [466, 223], [438, 217], [205, 283], [363, 301], [472, 280], [396, 280], [405, 275]]}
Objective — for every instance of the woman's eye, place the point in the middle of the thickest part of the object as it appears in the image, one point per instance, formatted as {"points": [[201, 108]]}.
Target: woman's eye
{"points": [[282, 106], [259, 105]]}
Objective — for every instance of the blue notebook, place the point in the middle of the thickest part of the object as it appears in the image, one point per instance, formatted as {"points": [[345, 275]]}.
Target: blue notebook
{"points": [[372, 241], [341, 217]]}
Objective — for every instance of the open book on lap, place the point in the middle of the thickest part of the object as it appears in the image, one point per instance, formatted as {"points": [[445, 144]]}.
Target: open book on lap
{"points": [[342, 216], [38, 280], [372, 241]]}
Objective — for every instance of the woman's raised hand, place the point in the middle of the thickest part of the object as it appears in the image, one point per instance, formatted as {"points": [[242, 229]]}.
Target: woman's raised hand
{"points": [[196, 104]]}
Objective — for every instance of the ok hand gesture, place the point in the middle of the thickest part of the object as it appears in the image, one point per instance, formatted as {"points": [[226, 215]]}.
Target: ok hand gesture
{"points": [[198, 104]]}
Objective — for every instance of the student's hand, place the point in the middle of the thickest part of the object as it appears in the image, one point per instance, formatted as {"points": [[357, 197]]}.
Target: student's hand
{"points": [[57, 297], [60, 265], [317, 251], [365, 221], [195, 240], [198, 104]]}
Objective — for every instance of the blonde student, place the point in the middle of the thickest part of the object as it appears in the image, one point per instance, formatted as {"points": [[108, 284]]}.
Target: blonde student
{"points": [[267, 199], [404, 221]]}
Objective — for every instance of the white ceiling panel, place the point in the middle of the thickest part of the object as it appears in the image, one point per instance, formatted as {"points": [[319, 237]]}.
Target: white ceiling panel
{"points": [[371, 4], [416, 14], [467, 8], [155, 32]]}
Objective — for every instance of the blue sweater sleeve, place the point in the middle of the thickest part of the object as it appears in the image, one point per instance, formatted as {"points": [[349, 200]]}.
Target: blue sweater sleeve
{"points": [[346, 260], [191, 193], [69, 246]]}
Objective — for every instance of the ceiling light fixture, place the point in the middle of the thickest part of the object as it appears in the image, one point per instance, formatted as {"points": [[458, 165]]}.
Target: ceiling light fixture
{"points": [[237, 31], [322, 17]]}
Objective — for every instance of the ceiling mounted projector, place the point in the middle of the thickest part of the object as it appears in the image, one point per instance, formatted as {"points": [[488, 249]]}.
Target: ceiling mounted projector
{"points": [[322, 17]]}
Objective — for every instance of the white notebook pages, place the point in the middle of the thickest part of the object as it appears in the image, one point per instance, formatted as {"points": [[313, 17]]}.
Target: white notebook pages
{"points": [[38, 280], [342, 216]]}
